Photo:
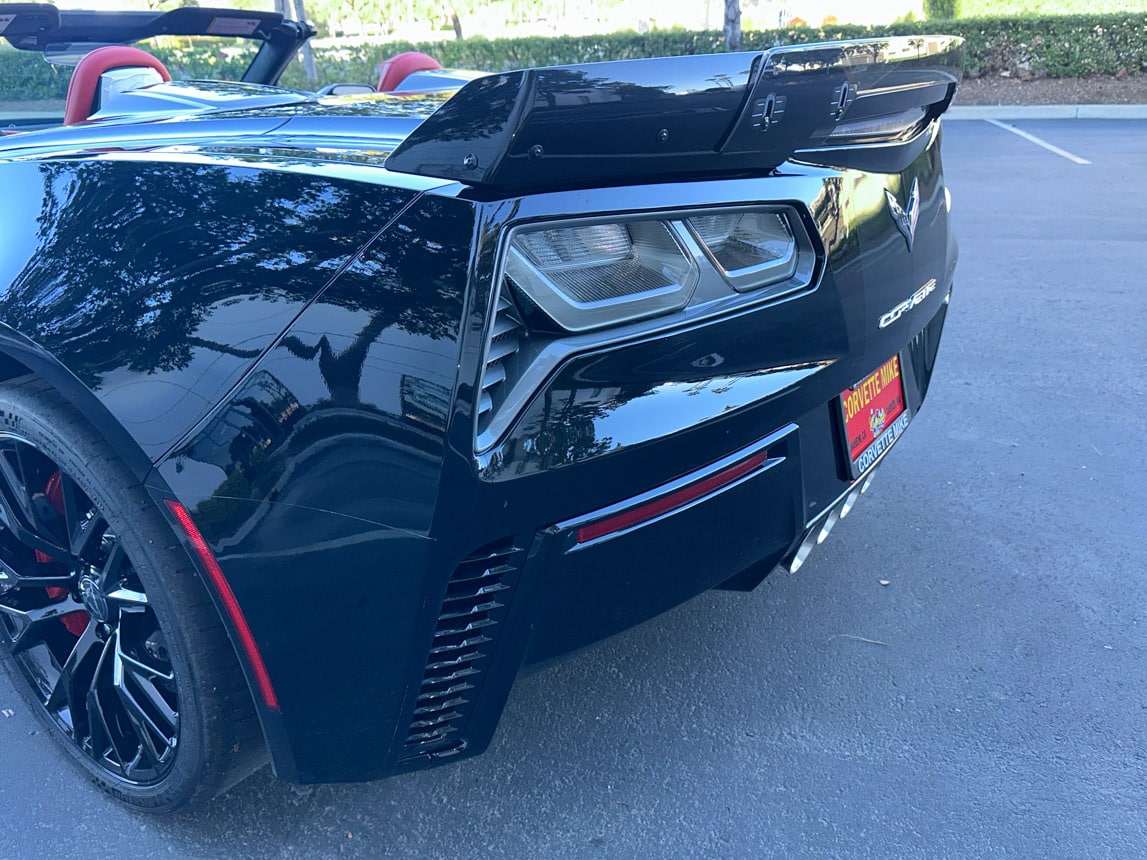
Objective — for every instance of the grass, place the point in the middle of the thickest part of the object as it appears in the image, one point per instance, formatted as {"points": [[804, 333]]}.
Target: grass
{"points": [[1009, 8]]}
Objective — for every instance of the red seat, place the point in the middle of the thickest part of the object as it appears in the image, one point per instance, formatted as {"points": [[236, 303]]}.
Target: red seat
{"points": [[394, 71], [84, 85]]}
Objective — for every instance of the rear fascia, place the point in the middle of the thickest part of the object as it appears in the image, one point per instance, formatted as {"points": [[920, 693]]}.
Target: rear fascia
{"points": [[350, 573], [613, 427], [339, 489]]}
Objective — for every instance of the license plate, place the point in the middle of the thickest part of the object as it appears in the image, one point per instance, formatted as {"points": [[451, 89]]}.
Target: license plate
{"points": [[874, 415]]}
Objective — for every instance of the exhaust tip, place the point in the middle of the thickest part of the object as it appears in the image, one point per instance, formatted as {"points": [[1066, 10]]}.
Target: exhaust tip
{"points": [[819, 532]]}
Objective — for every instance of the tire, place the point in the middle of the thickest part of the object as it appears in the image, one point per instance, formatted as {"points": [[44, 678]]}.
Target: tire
{"points": [[105, 626]]}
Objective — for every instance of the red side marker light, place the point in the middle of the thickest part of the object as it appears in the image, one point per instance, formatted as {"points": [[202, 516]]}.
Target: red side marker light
{"points": [[670, 501], [230, 603]]}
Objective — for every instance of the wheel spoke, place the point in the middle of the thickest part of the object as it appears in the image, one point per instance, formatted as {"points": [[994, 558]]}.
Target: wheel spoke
{"points": [[11, 577], [102, 742], [82, 525], [127, 598], [17, 499], [64, 692], [143, 676], [32, 621], [42, 514], [158, 708], [16, 517], [147, 731], [112, 566]]}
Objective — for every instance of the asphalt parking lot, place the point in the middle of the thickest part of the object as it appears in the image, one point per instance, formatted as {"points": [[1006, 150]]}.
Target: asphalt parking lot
{"points": [[989, 700]]}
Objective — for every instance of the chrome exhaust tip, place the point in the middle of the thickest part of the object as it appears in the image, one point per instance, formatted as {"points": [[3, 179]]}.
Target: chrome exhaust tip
{"points": [[820, 529]]}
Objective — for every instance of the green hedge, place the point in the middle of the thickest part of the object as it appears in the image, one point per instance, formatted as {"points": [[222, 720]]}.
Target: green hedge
{"points": [[24, 75], [1062, 46]]}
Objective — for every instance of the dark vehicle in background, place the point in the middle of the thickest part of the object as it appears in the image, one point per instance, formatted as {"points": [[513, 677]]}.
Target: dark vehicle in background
{"points": [[323, 416]]}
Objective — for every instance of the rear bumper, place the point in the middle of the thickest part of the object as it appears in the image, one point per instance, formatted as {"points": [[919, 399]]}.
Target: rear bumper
{"points": [[577, 581]]}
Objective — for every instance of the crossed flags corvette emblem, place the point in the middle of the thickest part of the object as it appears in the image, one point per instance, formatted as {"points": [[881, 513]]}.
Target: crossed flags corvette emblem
{"points": [[905, 216]]}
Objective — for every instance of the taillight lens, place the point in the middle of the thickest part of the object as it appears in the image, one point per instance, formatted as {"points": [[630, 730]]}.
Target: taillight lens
{"points": [[591, 276], [751, 249]]}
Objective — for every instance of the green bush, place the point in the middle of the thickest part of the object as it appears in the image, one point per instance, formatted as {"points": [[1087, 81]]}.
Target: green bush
{"points": [[942, 10], [24, 75], [1060, 46]]}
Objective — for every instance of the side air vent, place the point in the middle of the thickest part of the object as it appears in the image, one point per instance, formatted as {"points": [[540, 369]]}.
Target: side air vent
{"points": [[506, 335], [472, 610]]}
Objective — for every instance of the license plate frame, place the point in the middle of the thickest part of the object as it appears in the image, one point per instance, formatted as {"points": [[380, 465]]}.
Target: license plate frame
{"points": [[873, 414]]}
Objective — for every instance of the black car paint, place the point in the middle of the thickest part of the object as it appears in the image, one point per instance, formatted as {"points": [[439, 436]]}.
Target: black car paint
{"points": [[639, 120], [126, 261], [323, 436]]}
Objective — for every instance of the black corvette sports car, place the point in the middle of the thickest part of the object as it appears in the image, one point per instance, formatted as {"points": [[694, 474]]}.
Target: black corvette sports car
{"points": [[321, 416]]}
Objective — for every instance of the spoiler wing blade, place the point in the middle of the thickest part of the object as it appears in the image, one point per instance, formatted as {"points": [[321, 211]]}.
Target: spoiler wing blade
{"points": [[674, 117]]}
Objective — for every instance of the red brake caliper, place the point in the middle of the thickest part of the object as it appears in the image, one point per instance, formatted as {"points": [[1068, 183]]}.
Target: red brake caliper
{"points": [[76, 622]]}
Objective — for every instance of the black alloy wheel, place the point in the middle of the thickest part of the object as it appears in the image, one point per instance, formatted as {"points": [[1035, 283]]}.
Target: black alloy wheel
{"points": [[105, 627], [77, 621]]}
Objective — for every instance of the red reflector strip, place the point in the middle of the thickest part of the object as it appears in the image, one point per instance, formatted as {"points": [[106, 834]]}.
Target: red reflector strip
{"points": [[666, 503], [230, 603]]}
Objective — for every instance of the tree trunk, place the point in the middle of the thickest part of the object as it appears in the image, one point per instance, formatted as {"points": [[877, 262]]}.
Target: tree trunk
{"points": [[308, 54], [733, 25]]}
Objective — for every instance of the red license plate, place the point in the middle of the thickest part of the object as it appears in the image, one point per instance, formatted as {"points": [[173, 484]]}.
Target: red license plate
{"points": [[874, 414]]}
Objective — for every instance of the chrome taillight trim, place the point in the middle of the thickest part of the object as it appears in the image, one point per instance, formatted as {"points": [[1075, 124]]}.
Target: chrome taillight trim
{"points": [[714, 296]]}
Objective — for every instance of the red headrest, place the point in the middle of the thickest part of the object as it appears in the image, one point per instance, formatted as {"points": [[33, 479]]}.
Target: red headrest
{"points": [[80, 101], [394, 71]]}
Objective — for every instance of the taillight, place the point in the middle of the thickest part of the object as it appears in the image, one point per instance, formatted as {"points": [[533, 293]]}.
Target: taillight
{"points": [[751, 249], [590, 276]]}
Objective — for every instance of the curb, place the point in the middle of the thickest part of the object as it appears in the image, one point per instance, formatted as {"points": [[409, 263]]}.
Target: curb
{"points": [[1046, 112]]}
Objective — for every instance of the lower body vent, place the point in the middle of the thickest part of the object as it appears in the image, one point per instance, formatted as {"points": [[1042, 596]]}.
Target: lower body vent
{"points": [[467, 631]]}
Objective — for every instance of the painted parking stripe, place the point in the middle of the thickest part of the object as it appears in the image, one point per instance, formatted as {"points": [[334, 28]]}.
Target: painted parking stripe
{"points": [[1062, 153]]}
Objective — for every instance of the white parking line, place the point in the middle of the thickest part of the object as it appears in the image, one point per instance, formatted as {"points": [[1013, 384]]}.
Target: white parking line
{"points": [[1062, 153]]}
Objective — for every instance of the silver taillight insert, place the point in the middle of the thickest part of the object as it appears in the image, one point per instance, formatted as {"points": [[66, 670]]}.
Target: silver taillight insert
{"points": [[590, 276], [751, 249]]}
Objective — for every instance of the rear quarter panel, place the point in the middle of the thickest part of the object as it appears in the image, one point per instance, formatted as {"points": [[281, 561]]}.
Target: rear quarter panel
{"points": [[153, 285]]}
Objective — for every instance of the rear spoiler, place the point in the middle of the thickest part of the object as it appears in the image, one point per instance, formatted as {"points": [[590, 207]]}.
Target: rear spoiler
{"points": [[677, 117]]}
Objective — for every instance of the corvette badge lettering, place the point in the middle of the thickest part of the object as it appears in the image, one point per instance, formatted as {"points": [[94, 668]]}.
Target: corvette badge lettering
{"points": [[906, 216], [907, 305]]}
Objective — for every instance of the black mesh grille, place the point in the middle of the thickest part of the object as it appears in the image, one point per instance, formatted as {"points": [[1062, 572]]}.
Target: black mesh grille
{"points": [[472, 610]]}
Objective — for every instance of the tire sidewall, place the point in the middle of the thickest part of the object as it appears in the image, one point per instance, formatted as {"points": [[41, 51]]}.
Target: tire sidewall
{"points": [[163, 568]]}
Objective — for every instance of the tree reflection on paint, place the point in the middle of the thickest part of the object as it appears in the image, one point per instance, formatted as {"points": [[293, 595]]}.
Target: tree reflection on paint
{"points": [[135, 258]]}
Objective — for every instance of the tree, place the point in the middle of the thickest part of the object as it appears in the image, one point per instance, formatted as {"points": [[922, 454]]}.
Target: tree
{"points": [[733, 25], [941, 10], [296, 11]]}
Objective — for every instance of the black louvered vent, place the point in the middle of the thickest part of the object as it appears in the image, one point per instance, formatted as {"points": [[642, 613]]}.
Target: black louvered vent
{"points": [[505, 342], [472, 610]]}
